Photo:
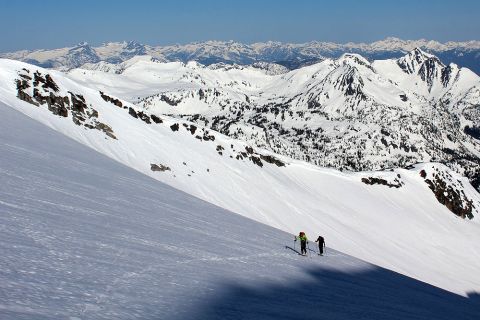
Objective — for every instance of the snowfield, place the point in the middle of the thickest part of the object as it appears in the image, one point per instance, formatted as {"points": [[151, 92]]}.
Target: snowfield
{"points": [[85, 237]]}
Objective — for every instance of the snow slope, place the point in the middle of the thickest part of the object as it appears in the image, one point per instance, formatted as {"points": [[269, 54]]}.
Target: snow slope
{"points": [[404, 229], [84, 237]]}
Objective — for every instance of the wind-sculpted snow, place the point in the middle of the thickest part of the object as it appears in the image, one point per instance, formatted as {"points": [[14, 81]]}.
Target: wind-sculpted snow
{"points": [[84, 237], [371, 221]]}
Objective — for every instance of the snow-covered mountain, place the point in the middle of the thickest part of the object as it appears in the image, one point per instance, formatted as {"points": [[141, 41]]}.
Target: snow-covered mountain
{"points": [[84, 237], [83, 53], [346, 113], [64, 58], [465, 54], [400, 219]]}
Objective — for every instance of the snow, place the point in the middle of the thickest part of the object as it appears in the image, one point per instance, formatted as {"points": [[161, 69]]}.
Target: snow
{"points": [[234, 52], [85, 237], [423, 110], [406, 230], [143, 78]]}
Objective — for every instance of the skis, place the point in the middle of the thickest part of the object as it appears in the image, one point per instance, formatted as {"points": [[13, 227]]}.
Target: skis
{"points": [[308, 254]]}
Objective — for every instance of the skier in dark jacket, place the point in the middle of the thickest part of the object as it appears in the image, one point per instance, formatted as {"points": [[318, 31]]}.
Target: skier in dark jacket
{"points": [[303, 242], [321, 245]]}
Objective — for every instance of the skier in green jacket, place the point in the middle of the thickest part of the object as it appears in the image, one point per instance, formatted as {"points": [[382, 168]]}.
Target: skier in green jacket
{"points": [[303, 242]]}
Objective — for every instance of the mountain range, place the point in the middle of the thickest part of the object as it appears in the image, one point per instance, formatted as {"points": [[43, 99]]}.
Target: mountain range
{"points": [[346, 113], [465, 54]]}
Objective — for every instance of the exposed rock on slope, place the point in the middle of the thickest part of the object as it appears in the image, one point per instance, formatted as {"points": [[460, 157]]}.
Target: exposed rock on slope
{"points": [[449, 190], [41, 89]]}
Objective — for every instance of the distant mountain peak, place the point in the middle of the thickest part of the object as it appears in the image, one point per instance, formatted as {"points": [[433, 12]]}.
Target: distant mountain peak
{"points": [[132, 44], [417, 59], [353, 58], [420, 54], [82, 44], [133, 48]]}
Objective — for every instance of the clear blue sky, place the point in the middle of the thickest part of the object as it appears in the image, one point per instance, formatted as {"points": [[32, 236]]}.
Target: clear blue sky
{"points": [[29, 24]]}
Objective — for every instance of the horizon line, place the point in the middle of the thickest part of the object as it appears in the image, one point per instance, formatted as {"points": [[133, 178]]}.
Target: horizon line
{"points": [[391, 38]]}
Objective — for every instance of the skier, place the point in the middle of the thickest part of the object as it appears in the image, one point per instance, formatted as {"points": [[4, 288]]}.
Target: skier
{"points": [[321, 245], [303, 242]]}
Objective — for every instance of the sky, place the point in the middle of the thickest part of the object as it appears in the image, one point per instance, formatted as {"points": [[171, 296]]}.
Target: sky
{"points": [[30, 24]]}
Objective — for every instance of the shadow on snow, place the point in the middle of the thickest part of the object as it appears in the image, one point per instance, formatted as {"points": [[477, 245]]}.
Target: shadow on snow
{"points": [[374, 294]]}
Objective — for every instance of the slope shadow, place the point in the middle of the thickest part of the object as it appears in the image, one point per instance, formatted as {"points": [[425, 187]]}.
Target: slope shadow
{"points": [[293, 249], [374, 294], [312, 250], [474, 296], [298, 252]]}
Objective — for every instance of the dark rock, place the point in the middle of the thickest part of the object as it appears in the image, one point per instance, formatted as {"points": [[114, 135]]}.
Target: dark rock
{"points": [[107, 98], [25, 76], [50, 84], [208, 137], [39, 97], [159, 167], [144, 117], [78, 103], [451, 198], [22, 84], [105, 128], [155, 119], [384, 132], [132, 112], [169, 101], [22, 95], [257, 161], [374, 180], [47, 82], [272, 160], [474, 132], [58, 110], [384, 142], [92, 113], [423, 174]]}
